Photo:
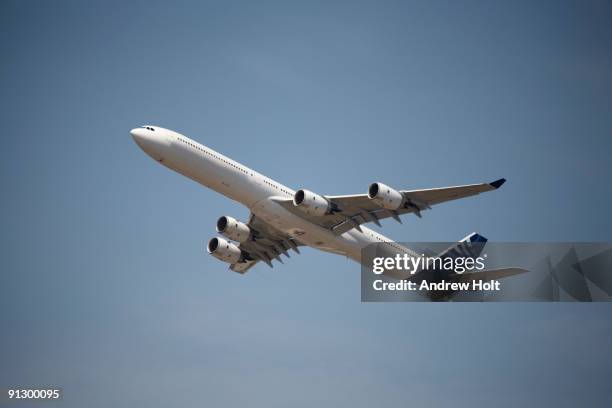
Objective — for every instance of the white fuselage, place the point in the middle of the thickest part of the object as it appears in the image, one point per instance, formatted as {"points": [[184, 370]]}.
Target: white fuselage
{"points": [[248, 187]]}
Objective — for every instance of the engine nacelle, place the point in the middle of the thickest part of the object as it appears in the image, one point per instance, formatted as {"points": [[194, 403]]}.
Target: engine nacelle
{"points": [[233, 229], [224, 250], [385, 196], [311, 203]]}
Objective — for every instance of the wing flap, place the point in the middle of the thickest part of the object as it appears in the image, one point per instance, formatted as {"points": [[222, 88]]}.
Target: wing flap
{"points": [[266, 245], [242, 267]]}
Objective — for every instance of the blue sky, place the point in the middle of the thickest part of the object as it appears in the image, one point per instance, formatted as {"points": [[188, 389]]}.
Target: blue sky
{"points": [[106, 289]]}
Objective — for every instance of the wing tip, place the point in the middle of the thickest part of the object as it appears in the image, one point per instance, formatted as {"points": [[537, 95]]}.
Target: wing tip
{"points": [[498, 183]]}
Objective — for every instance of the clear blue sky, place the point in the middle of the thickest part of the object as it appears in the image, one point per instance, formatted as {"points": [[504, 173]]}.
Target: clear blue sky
{"points": [[106, 289]]}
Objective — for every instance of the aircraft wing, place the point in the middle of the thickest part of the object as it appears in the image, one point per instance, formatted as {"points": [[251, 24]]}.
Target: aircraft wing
{"points": [[354, 210], [268, 244]]}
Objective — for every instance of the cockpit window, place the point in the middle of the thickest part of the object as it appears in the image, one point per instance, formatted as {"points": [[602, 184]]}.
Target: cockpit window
{"points": [[148, 128]]}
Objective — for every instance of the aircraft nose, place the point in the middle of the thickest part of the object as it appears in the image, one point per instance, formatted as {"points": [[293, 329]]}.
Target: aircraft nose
{"points": [[153, 143], [138, 134]]}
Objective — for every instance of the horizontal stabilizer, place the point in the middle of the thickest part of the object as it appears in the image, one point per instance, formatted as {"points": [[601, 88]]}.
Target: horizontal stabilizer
{"points": [[491, 274]]}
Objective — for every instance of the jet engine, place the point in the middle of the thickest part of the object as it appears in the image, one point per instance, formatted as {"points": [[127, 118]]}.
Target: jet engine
{"points": [[233, 229], [385, 196], [311, 203], [224, 250]]}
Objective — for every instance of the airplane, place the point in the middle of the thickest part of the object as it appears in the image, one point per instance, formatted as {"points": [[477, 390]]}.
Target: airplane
{"points": [[281, 219]]}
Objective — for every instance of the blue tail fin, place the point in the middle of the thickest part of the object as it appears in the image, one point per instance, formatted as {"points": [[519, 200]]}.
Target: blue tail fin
{"points": [[474, 237], [470, 246]]}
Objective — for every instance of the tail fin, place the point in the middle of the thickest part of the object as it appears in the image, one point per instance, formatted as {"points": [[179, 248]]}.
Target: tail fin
{"points": [[470, 246]]}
